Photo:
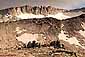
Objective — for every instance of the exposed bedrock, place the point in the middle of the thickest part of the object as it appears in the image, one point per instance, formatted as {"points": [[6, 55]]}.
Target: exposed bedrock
{"points": [[43, 10], [71, 32], [41, 30]]}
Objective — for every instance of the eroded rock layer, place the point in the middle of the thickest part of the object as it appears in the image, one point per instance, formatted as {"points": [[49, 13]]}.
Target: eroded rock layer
{"points": [[71, 32], [43, 10]]}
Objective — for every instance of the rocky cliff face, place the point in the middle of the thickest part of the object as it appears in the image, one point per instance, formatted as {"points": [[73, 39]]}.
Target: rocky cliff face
{"points": [[15, 33], [34, 10], [28, 12]]}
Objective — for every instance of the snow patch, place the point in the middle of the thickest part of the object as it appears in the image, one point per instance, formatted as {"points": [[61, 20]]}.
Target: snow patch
{"points": [[83, 25], [59, 16], [26, 37], [72, 40], [26, 16], [82, 33]]}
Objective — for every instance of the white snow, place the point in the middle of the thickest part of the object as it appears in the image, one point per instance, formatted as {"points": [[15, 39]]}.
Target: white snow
{"points": [[26, 16], [26, 37], [59, 16], [72, 40], [83, 25]]}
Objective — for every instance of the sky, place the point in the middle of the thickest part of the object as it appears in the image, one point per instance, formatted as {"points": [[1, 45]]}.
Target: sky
{"points": [[67, 4]]}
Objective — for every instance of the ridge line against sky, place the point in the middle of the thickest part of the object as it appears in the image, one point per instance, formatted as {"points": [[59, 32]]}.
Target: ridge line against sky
{"points": [[67, 4]]}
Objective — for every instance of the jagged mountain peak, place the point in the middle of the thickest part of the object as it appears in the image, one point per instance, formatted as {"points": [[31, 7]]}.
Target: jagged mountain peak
{"points": [[27, 12]]}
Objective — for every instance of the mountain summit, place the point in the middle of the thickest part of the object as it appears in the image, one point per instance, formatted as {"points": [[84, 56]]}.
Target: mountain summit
{"points": [[25, 12]]}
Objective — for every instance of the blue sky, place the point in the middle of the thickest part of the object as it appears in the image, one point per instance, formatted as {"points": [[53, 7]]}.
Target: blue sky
{"points": [[68, 4]]}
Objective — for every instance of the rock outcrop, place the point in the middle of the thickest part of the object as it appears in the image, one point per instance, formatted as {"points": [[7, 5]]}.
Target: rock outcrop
{"points": [[70, 32], [16, 33], [34, 10]]}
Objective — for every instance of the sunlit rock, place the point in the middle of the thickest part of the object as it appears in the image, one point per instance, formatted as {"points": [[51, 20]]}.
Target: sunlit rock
{"points": [[59, 16], [14, 12], [72, 40], [23, 9], [19, 11]]}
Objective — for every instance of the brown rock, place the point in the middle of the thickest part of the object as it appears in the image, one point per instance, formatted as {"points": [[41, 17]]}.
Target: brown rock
{"points": [[49, 9], [36, 10], [23, 9], [18, 10], [29, 9], [43, 10], [20, 45], [14, 12]]}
